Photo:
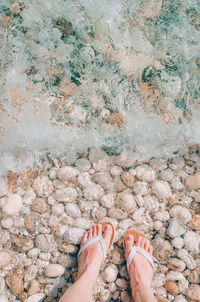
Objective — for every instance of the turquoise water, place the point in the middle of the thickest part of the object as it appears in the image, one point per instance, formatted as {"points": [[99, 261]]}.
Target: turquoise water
{"points": [[119, 75]]}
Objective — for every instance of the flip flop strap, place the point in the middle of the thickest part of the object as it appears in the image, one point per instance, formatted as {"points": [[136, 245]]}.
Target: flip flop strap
{"points": [[94, 240], [141, 251]]}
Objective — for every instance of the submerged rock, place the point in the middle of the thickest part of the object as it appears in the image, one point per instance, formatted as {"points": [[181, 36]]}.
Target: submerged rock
{"points": [[193, 181], [54, 270], [74, 235], [145, 173], [5, 258], [175, 228], [193, 292], [13, 205], [180, 212], [43, 186], [161, 189], [110, 273]]}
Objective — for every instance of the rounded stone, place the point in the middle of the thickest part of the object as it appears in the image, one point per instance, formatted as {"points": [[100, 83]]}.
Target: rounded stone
{"points": [[126, 202], [108, 200], [110, 273], [43, 186], [66, 195], [36, 298], [172, 287], [54, 270], [83, 164], [72, 210], [74, 235], [140, 188], [145, 173], [67, 173], [5, 258], [93, 192], [13, 205], [161, 189], [193, 292], [7, 223], [193, 181]]}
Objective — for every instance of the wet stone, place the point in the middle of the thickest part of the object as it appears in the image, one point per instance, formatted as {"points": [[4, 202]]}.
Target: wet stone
{"points": [[43, 186], [74, 235], [42, 243], [39, 205]]}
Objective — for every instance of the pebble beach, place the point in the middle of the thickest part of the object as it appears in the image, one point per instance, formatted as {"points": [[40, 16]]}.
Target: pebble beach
{"points": [[44, 214]]}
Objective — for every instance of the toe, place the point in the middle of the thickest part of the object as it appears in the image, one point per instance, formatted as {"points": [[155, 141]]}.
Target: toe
{"points": [[99, 229], [94, 232], [147, 246], [107, 235], [84, 238], [138, 242], [150, 250], [143, 241], [90, 233], [128, 245]]}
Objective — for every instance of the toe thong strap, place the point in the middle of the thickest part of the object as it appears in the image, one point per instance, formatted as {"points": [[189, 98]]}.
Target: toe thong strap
{"points": [[94, 240], [141, 251]]}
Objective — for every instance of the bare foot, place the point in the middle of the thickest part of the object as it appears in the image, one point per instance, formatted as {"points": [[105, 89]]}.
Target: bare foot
{"points": [[140, 271], [91, 258]]}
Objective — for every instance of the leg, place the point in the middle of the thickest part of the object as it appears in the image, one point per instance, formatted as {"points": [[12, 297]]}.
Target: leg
{"points": [[141, 272], [89, 264]]}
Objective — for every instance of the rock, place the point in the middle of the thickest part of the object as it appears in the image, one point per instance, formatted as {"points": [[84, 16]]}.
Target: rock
{"points": [[145, 173], [42, 243], [187, 258], [67, 173], [166, 175], [178, 242], [157, 225], [43, 186], [175, 228], [104, 180], [3, 298], [74, 235], [57, 209], [174, 276], [161, 189], [97, 154], [176, 184], [7, 223], [126, 202], [54, 270], [22, 244], [84, 179], [14, 281], [66, 195], [181, 213], [116, 171], [83, 223], [193, 292], [29, 196], [36, 298], [192, 182], [195, 223], [72, 210], [83, 164], [194, 276], [140, 188], [172, 287], [116, 213], [5, 258], [150, 203], [192, 242], [108, 200], [125, 160], [158, 164], [118, 184], [180, 298], [128, 179], [121, 283], [117, 256], [13, 205], [33, 287], [176, 264], [125, 297], [93, 192], [101, 165], [3, 188], [126, 224], [39, 205], [33, 253], [110, 273]]}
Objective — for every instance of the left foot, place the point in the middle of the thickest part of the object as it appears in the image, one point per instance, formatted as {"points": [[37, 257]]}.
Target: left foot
{"points": [[91, 258]]}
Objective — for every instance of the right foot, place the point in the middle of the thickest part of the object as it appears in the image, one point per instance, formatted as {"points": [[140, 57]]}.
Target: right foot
{"points": [[140, 270]]}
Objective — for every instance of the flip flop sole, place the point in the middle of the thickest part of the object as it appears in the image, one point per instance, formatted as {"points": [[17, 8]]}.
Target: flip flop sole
{"points": [[113, 230]]}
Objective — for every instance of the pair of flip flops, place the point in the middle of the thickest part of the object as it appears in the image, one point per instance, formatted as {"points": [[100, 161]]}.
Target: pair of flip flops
{"points": [[134, 249]]}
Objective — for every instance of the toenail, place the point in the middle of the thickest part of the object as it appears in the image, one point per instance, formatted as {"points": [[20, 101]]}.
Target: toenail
{"points": [[108, 227]]}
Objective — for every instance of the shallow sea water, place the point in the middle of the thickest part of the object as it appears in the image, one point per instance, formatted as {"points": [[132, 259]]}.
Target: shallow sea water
{"points": [[78, 74]]}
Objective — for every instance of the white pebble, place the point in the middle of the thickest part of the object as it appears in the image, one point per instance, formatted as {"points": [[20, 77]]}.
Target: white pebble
{"points": [[74, 235], [125, 159], [181, 213], [192, 242], [178, 243], [157, 225], [13, 205], [67, 173], [66, 195], [7, 223], [83, 164], [145, 173], [72, 210], [126, 202], [84, 179], [110, 273], [166, 175], [116, 171], [93, 192], [33, 253], [180, 298], [43, 186], [161, 189], [175, 228], [36, 297], [150, 203], [108, 200], [140, 188], [29, 196], [54, 270]]}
